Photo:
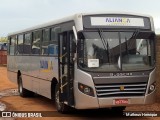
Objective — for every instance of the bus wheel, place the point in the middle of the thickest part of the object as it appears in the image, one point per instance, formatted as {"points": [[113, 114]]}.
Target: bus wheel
{"points": [[22, 91], [60, 106]]}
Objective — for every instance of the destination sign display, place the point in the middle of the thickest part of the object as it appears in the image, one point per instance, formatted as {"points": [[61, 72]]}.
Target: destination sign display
{"points": [[117, 21]]}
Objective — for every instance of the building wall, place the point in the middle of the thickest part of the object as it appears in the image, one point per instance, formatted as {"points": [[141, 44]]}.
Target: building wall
{"points": [[3, 57], [158, 67]]}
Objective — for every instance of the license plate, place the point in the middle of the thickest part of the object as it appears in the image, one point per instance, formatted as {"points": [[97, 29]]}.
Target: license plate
{"points": [[121, 101]]}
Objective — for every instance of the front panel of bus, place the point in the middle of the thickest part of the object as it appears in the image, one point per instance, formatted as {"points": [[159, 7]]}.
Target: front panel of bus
{"points": [[115, 62]]}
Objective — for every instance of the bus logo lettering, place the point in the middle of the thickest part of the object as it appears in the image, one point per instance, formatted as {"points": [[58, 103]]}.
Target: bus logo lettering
{"points": [[46, 65], [117, 20], [121, 88]]}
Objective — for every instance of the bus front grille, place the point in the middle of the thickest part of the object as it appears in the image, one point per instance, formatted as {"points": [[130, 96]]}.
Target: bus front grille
{"points": [[121, 90]]}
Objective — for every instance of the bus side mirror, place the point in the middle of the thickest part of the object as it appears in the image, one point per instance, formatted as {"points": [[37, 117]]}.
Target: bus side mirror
{"points": [[75, 33]]}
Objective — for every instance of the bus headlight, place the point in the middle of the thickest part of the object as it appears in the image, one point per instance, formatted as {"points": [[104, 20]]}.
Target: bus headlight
{"points": [[152, 87], [85, 89]]}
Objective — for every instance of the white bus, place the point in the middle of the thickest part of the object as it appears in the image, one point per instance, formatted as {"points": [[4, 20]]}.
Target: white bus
{"points": [[86, 61]]}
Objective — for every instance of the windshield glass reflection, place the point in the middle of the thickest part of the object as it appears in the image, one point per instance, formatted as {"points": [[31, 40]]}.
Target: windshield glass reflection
{"points": [[115, 51]]}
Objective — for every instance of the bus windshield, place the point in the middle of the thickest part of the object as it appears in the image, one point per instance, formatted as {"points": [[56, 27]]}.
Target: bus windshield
{"points": [[115, 51]]}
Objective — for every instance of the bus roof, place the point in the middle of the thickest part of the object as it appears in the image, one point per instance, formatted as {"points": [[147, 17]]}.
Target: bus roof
{"points": [[73, 18]]}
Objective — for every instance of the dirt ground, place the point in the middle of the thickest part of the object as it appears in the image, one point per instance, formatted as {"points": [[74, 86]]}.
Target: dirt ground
{"points": [[39, 103]]}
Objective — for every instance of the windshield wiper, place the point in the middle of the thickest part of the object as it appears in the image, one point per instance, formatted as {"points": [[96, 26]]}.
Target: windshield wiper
{"points": [[105, 45], [126, 44], [135, 34]]}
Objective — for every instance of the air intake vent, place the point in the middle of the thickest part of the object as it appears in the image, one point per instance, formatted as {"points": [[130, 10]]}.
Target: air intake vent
{"points": [[121, 90]]}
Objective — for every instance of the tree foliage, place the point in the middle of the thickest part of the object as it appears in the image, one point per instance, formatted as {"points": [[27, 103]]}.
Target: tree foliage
{"points": [[3, 39]]}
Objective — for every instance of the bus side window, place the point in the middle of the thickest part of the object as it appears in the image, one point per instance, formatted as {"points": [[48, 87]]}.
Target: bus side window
{"points": [[27, 44], [53, 47], [12, 45], [45, 42], [8, 45], [20, 45], [37, 36]]}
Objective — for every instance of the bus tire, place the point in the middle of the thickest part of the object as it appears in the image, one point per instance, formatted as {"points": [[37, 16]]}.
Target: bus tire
{"points": [[60, 106], [22, 91]]}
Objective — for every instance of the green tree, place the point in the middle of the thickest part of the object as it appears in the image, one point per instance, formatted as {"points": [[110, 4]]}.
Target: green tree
{"points": [[3, 39]]}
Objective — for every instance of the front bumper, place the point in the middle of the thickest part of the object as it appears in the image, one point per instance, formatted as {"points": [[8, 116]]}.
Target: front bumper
{"points": [[83, 101], [109, 102], [87, 102]]}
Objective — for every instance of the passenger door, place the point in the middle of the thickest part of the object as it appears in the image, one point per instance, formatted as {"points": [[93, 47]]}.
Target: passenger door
{"points": [[66, 67]]}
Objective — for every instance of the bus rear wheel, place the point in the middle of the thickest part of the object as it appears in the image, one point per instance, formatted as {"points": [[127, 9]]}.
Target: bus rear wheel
{"points": [[22, 91], [60, 106]]}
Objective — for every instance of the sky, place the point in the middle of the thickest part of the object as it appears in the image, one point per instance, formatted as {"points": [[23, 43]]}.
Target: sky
{"points": [[20, 14]]}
